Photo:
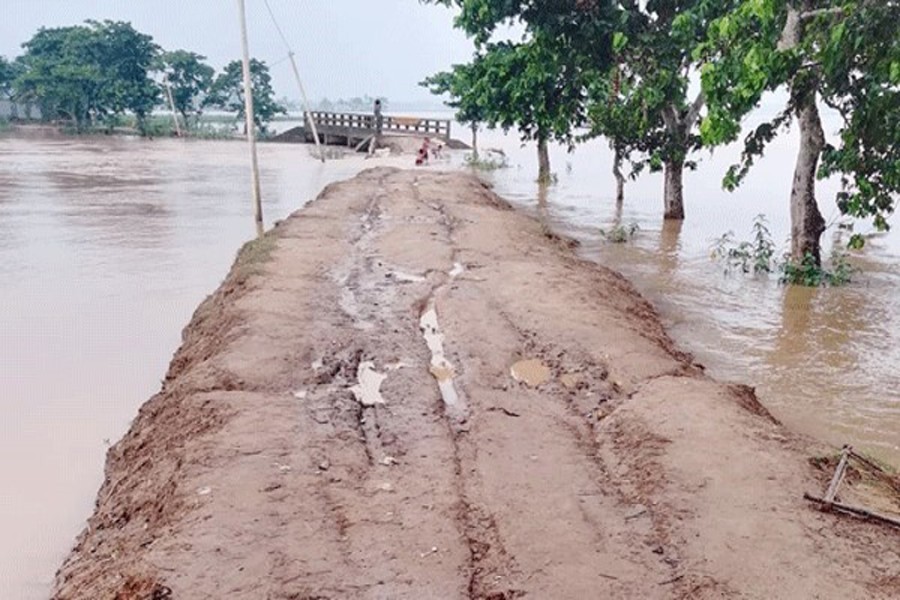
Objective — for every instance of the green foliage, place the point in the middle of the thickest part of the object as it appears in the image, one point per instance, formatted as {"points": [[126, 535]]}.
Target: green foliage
{"points": [[538, 84], [641, 104], [808, 273], [847, 53], [757, 257], [754, 256], [459, 85], [620, 234], [620, 68], [8, 74], [127, 57], [190, 80], [227, 93], [88, 73], [531, 86]]}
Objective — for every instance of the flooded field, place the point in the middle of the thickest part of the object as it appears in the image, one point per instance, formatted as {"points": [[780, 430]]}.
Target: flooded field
{"points": [[825, 361], [108, 244]]}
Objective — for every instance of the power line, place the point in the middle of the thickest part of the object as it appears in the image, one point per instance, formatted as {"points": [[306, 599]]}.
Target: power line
{"points": [[281, 60], [306, 110], [278, 27]]}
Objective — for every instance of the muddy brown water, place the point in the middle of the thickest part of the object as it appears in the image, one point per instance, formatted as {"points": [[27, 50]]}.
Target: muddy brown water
{"points": [[108, 244], [825, 361]]}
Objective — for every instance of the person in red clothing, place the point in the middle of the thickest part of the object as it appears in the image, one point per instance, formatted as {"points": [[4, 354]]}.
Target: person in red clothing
{"points": [[424, 151]]}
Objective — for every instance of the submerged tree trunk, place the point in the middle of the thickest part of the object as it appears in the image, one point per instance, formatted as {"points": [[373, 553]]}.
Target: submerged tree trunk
{"points": [[620, 178], [543, 160], [679, 123], [807, 223], [673, 191]]}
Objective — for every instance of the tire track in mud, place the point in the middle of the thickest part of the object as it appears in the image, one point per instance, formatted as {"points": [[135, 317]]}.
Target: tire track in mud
{"points": [[490, 566], [488, 561], [337, 468]]}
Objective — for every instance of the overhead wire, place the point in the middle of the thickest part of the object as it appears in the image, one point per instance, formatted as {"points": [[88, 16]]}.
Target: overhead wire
{"points": [[290, 56], [278, 27]]}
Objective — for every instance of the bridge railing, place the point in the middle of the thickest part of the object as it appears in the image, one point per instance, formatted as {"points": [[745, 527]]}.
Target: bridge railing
{"points": [[368, 123]]}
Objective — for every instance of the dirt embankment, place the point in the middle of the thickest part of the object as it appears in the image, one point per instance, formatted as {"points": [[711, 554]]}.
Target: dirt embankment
{"points": [[342, 421]]}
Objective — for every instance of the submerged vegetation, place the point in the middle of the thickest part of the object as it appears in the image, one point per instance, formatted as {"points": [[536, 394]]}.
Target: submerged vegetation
{"points": [[755, 256], [580, 69], [758, 257], [487, 161], [621, 70], [620, 234]]}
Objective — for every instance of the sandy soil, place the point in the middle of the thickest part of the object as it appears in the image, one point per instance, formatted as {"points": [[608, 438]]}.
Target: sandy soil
{"points": [[544, 439]]}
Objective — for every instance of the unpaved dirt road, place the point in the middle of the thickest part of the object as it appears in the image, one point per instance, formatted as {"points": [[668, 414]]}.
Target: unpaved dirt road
{"points": [[407, 390]]}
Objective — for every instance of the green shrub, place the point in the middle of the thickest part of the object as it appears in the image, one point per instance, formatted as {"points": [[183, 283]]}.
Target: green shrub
{"points": [[620, 234], [487, 162], [757, 257]]}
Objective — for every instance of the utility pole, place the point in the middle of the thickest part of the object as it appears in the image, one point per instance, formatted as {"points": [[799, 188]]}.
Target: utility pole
{"points": [[172, 106], [251, 126], [309, 116]]}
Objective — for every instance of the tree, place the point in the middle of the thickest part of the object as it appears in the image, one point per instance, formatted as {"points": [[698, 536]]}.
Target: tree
{"points": [[7, 75], [634, 61], [126, 58], [642, 103], [190, 80], [536, 85], [459, 85], [618, 111], [528, 86], [227, 92], [325, 105], [842, 53], [89, 72], [61, 75]]}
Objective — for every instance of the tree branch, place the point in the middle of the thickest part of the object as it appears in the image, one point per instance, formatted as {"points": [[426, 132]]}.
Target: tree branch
{"points": [[670, 118], [790, 35], [694, 112], [810, 14]]}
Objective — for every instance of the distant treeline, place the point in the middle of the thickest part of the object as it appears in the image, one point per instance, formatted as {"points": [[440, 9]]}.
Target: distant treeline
{"points": [[357, 104], [91, 75]]}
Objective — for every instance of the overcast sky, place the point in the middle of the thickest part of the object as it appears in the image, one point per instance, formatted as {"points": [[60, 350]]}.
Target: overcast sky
{"points": [[344, 48]]}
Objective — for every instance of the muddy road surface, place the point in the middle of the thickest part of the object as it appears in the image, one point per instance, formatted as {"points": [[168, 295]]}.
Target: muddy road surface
{"points": [[409, 390]]}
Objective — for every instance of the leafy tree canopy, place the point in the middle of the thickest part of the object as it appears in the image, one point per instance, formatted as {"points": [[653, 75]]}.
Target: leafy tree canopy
{"points": [[8, 74], [87, 72], [530, 86], [227, 92], [843, 53], [189, 78]]}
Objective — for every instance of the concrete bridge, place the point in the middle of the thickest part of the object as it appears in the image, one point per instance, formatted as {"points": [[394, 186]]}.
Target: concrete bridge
{"points": [[359, 129]]}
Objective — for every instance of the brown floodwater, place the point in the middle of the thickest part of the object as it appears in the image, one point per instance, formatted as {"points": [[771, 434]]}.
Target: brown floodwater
{"points": [[108, 244], [826, 361]]}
